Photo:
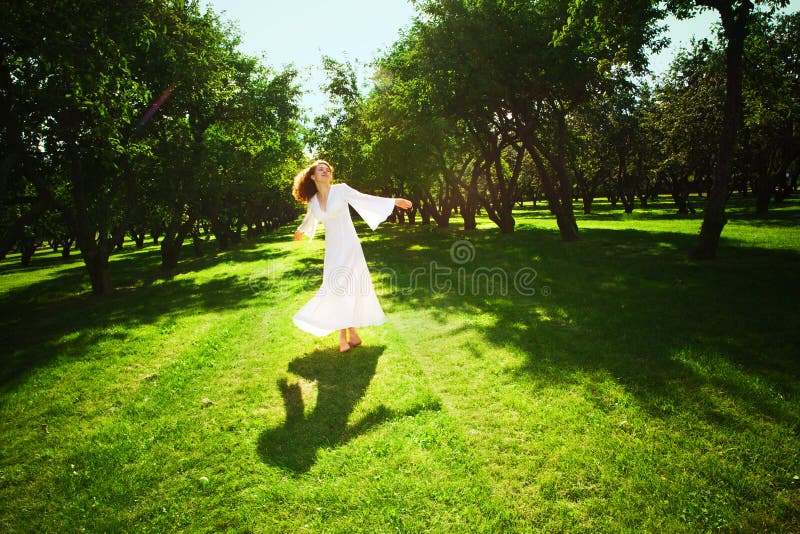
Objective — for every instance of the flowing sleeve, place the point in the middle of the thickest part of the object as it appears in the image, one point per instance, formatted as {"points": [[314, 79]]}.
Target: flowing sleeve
{"points": [[309, 224], [374, 210]]}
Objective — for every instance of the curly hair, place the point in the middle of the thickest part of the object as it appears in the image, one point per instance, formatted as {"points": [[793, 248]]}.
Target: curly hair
{"points": [[303, 187]]}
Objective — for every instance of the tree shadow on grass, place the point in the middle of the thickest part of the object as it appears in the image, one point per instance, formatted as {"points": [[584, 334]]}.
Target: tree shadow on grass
{"points": [[51, 318], [628, 306], [34, 333], [341, 381]]}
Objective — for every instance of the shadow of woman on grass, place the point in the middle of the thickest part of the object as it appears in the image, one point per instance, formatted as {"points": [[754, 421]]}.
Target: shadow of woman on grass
{"points": [[342, 380]]}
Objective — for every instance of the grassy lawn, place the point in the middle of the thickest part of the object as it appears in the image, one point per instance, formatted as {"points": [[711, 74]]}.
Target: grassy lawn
{"points": [[519, 384]]}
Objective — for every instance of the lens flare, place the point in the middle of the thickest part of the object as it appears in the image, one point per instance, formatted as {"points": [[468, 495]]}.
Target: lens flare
{"points": [[156, 105]]}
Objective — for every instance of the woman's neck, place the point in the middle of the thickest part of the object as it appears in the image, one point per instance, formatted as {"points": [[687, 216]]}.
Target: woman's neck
{"points": [[323, 189]]}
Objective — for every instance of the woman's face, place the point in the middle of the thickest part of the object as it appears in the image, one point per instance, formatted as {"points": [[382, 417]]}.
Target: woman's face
{"points": [[322, 174]]}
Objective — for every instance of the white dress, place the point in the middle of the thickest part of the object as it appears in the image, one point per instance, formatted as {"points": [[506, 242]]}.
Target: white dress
{"points": [[346, 297]]}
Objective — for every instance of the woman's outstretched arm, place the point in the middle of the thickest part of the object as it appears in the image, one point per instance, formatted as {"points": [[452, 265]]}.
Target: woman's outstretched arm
{"points": [[308, 226], [403, 203]]}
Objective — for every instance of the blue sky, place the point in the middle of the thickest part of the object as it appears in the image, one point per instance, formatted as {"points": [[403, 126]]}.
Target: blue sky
{"points": [[300, 32]]}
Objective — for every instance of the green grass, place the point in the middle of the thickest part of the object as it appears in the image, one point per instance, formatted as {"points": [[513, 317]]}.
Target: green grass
{"points": [[633, 390]]}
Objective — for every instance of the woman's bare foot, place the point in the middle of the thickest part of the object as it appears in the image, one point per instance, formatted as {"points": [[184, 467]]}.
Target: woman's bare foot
{"points": [[355, 340], [344, 346]]}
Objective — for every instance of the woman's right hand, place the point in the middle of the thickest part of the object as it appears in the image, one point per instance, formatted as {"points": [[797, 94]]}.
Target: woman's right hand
{"points": [[298, 235], [403, 203]]}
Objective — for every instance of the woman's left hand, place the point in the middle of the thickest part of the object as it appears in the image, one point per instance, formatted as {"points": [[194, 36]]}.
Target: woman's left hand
{"points": [[403, 203]]}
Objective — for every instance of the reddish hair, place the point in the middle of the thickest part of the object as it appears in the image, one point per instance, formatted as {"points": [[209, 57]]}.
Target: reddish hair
{"points": [[303, 187]]}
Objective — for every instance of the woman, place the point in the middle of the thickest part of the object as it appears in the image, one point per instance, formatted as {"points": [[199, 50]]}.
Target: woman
{"points": [[346, 299]]}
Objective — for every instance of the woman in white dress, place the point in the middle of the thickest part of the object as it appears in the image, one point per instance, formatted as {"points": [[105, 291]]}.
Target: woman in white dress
{"points": [[346, 300]]}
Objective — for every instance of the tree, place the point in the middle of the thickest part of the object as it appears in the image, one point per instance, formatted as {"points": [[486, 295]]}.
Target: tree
{"points": [[431, 148], [339, 135], [611, 147], [90, 151], [735, 16], [516, 71], [71, 96], [686, 106], [770, 144], [689, 101]]}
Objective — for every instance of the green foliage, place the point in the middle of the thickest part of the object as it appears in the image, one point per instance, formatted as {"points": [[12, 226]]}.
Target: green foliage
{"points": [[112, 113], [474, 84], [688, 104], [614, 149], [683, 9], [771, 142], [615, 33]]}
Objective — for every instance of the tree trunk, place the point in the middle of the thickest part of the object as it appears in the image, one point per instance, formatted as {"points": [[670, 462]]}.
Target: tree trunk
{"points": [[627, 202], [501, 186], [27, 247], [171, 245], [470, 222], [424, 214], [587, 204], [95, 255], [236, 232], [679, 189], [170, 252], [763, 193], [197, 243], [222, 233], [682, 203], [66, 248], [587, 192], [784, 190], [734, 24], [470, 207], [623, 183], [567, 225], [100, 277], [439, 209], [565, 218], [138, 238], [506, 223]]}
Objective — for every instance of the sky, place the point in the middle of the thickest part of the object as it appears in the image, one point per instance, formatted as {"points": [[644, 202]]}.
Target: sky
{"points": [[300, 32]]}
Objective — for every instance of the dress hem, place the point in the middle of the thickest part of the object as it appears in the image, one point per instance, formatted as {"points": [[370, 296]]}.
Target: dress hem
{"points": [[321, 332]]}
